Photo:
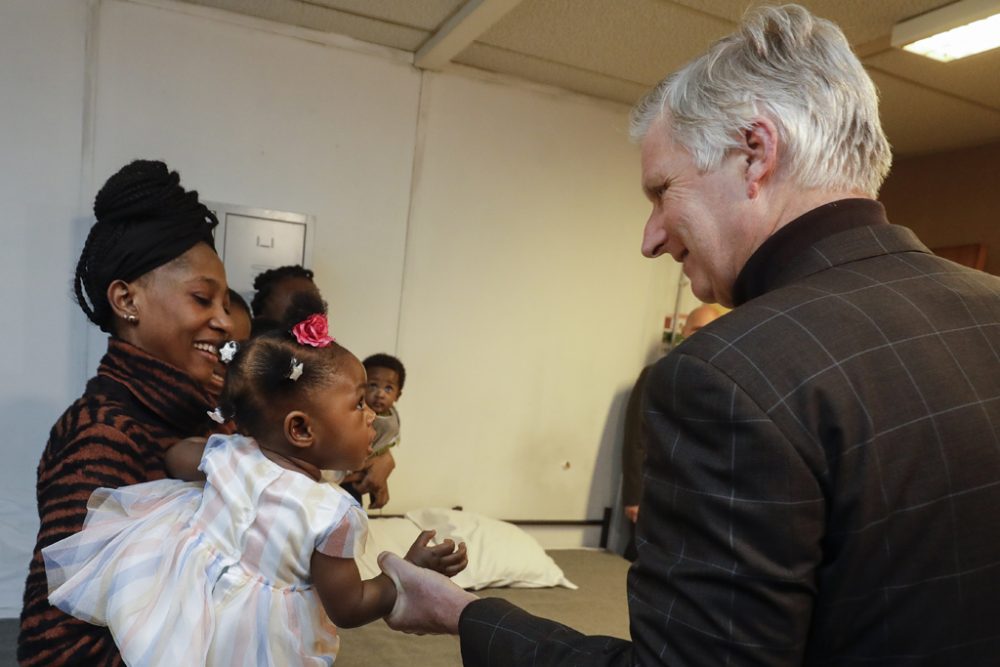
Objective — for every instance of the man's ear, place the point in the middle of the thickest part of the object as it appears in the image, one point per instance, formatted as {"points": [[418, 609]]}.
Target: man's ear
{"points": [[760, 145], [121, 296], [298, 429]]}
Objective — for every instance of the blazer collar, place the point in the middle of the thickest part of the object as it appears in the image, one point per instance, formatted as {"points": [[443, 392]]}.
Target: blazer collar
{"points": [[836, 233]]}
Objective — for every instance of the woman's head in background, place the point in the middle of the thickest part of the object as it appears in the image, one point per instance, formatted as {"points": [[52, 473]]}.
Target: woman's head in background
{"points": [[275, 289]]}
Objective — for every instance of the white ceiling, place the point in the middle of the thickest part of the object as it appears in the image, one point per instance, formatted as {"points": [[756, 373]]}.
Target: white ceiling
{"points": [[618, 49]]}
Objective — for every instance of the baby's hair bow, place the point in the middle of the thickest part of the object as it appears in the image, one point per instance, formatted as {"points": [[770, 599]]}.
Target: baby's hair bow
{"points": [[216, 416], [295, 372], [228, 351]]}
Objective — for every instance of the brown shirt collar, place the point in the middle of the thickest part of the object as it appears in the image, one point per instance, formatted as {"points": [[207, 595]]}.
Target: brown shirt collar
{"points": [[169, 393]]}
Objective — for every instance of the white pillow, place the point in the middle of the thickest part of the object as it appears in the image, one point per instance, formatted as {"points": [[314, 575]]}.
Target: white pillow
{"points": [[500, 553], [393, 534]]}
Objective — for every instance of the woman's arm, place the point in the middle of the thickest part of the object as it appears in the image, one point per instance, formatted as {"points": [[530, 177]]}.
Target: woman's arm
{"points": [[348, 600], [374, 479], [183, 458]]}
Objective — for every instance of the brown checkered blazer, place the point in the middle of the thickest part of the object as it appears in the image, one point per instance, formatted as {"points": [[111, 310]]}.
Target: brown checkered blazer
{"points": [[822, 482]]}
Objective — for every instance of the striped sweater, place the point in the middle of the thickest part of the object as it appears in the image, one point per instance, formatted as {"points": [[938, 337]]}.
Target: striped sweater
{"points": [[113, 435]]}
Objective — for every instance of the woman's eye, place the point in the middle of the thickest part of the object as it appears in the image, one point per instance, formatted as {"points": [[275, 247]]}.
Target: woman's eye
{"points": [[203, 300]]}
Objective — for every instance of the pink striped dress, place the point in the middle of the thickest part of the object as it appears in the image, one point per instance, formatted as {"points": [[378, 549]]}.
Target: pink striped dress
{"points": [[185, 573]]}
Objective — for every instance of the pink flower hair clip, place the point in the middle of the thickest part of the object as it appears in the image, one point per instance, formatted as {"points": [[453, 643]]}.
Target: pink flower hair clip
{"points": [[313, 331]]}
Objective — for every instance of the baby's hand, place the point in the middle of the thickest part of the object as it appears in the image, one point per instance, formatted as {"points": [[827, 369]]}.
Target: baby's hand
{"points": [[443, 558]]}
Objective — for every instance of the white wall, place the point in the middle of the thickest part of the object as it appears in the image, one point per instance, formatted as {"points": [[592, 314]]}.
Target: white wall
{"points": [[252, 117], [484, 229], [527, 307], [42, 84]]}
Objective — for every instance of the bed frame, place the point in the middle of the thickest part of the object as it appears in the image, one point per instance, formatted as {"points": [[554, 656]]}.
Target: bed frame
{"points": [[604, 522]]}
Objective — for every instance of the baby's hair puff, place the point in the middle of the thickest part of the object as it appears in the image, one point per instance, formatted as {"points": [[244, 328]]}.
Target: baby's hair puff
{"points": [[273, 372]]}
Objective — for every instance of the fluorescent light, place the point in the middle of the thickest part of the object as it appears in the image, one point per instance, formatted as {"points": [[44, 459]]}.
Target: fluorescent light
{"points": [[955, 31]]}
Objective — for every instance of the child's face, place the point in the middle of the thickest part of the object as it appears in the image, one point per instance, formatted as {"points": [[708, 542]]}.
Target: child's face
{"points": [[342, 422], [383, 389]]}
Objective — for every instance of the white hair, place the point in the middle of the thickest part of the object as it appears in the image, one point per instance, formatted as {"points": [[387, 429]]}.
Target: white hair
{"points": [[795, 69]]}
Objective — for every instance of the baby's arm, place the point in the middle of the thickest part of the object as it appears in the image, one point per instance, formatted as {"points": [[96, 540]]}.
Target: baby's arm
{"points": [[348, 600], [351, 601], [183, 457]]}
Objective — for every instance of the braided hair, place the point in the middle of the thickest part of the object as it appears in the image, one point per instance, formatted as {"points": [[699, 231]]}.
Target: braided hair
{"points": [[265, 283], [145, 219], [259, 378]]}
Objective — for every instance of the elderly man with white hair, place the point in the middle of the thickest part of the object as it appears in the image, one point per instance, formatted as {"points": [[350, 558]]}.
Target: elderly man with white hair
{"points": [[822, 480]]}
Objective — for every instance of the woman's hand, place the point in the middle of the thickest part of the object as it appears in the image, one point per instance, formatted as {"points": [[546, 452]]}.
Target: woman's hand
{"points": [[443, 558], [374, 479]]}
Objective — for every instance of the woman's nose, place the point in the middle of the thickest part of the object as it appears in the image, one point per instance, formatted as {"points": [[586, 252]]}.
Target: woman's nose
{"points": [[222, 321]]}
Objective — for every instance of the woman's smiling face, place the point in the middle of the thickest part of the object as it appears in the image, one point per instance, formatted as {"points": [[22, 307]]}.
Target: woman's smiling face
{"points": [[181, 311]]}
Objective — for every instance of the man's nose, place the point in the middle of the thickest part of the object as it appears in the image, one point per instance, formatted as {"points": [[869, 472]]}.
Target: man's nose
{"points": [[654, 237]]}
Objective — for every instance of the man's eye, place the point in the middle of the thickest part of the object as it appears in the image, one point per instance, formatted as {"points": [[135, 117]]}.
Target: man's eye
{"points": [[203, 300]]}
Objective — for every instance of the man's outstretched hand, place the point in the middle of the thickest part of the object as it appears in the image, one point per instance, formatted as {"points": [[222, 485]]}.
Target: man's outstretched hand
{"points": [[426, 602]]}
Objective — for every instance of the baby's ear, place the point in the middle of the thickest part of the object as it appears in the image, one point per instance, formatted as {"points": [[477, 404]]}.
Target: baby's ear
{"points": [[298, 429]]}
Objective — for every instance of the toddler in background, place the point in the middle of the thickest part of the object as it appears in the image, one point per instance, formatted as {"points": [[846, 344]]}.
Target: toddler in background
{"points": [[240, 570], [386, 376]]}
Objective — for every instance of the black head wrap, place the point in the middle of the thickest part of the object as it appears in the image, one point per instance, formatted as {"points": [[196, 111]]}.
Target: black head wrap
{"points": [[144, 220]]}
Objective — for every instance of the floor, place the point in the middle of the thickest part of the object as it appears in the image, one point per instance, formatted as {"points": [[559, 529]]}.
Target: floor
{"points": [[8, 642]]}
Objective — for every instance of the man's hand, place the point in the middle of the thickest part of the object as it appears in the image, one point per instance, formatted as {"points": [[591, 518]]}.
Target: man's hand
{"points": [[443, 558], [426, 602], [632, 512]]}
